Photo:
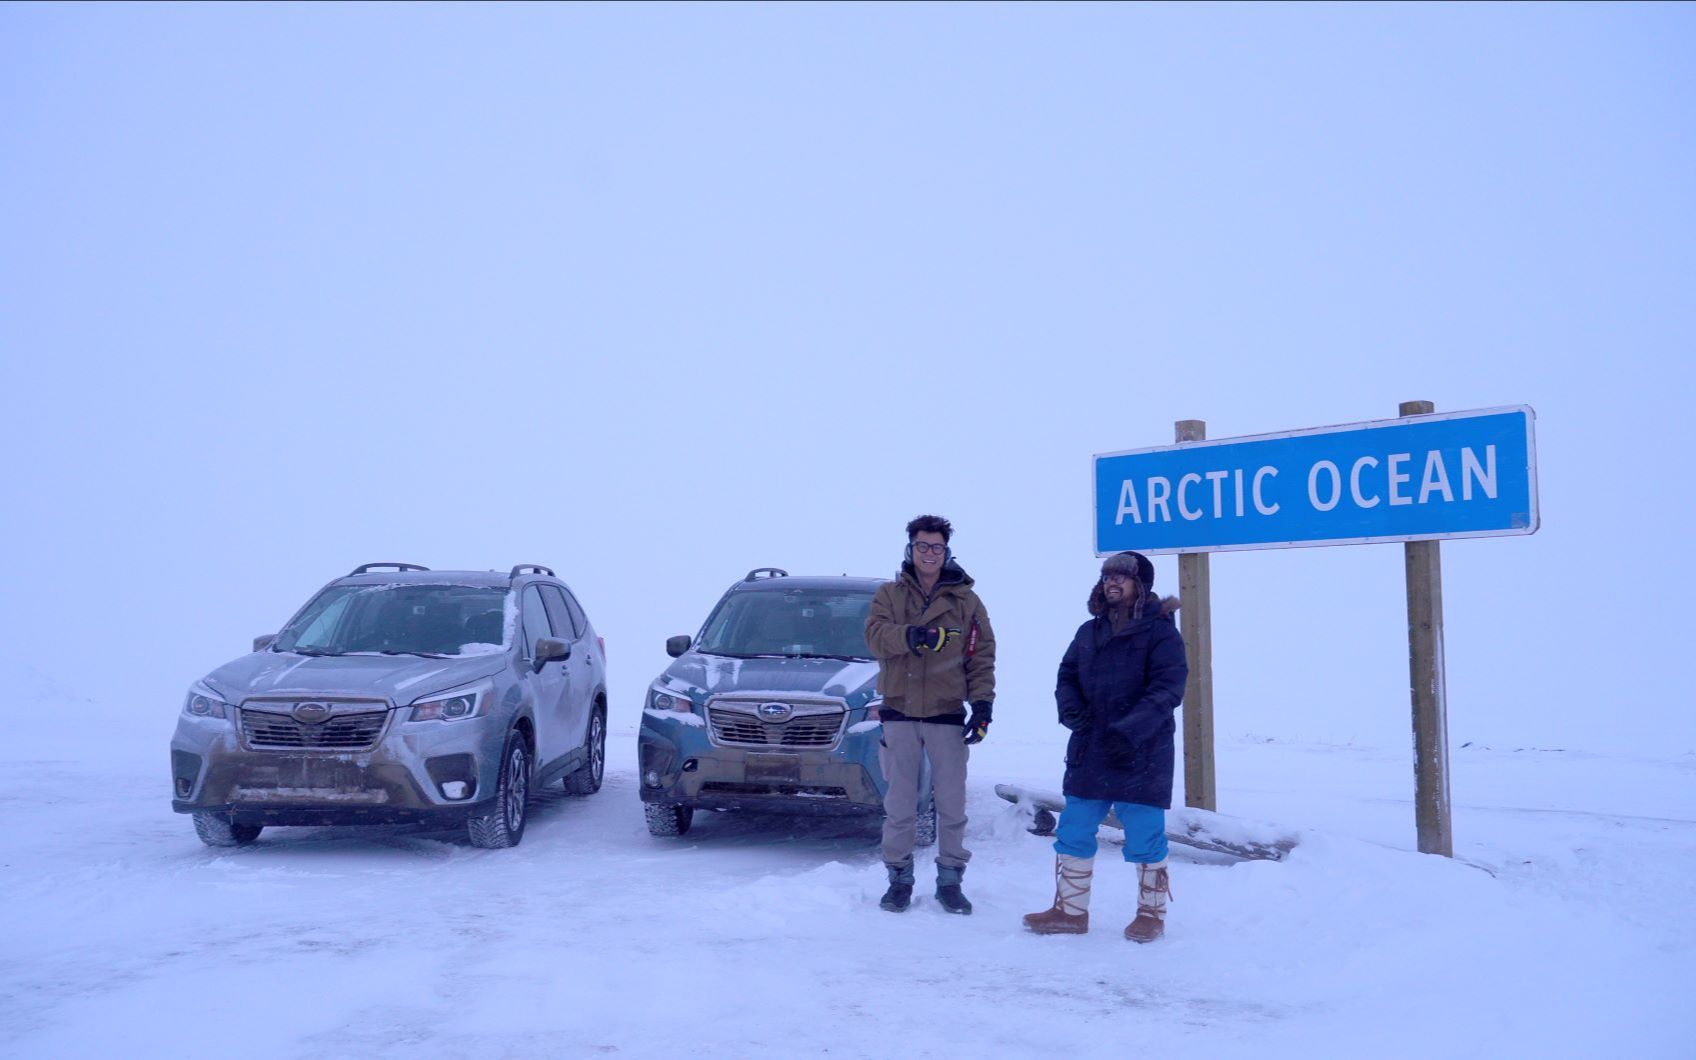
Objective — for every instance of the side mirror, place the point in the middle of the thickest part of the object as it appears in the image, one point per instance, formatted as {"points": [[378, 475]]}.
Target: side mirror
{"points": [[264, 641], [675, 646], [548, 649]]}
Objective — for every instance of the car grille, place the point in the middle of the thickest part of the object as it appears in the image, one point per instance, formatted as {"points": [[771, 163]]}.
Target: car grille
{"points": [[737, 729], [266, 731]]}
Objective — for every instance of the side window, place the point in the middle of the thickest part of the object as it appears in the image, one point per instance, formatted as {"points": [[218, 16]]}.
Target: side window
{"points": [[535, 620], [579, 621], [558, 612], [319, 630]]}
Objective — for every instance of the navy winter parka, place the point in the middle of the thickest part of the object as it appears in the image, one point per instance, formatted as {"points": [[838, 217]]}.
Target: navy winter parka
{"points": [[1117, 692]]}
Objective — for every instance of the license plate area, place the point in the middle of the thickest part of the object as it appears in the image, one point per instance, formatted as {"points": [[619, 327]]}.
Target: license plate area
{"points": [[319, 774], [772, 769]]}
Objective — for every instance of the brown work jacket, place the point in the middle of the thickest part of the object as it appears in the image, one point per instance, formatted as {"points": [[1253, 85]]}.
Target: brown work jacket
{"points": [[932, 683]]}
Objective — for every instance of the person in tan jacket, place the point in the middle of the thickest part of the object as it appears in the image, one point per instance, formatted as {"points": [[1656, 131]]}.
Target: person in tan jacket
{"points": [[936, 653]]}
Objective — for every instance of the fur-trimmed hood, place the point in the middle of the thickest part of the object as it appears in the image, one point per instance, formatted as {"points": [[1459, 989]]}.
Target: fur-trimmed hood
{"points": [[1153, 605]]}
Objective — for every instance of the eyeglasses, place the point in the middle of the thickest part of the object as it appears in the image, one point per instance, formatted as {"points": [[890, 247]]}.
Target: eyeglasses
{"points": [[1116, 576], [926, 546]]}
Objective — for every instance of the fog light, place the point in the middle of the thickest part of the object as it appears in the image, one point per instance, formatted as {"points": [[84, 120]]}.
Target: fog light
{"points": [[183, 784], [651, 778], [454, 789]]}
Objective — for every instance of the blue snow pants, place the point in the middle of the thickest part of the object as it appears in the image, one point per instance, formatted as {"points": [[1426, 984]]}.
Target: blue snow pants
{"points": [[1145, 829]]}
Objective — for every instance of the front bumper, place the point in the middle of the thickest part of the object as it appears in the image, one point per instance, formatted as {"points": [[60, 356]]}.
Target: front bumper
{"points": [[403, 778], [680, 765], [318, 814]]}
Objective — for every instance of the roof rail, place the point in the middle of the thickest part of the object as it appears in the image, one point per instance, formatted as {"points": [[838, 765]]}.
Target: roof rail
{"points": [[366, 568], [531, 568], [769, 572]]}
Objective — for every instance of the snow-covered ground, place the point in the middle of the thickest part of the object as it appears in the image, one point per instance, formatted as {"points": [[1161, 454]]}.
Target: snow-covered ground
{"points": [[1563, 929]]}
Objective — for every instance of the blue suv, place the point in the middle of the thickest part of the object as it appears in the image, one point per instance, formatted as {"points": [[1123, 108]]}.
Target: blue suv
{"points": [[772, 707]]}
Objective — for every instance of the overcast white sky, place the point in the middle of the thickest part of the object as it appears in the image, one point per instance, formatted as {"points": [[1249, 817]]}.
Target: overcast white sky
{"points": [[655, 294]]}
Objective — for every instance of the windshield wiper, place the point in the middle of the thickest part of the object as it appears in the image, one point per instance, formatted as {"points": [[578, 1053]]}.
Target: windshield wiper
{"points": [[744, 655], [826, 655], [420, 654], [313, 652], [786, 655]]}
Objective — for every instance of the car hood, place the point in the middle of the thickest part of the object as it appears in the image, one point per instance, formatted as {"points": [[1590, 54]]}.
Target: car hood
{"points": [[854, 681], [402, 679]]}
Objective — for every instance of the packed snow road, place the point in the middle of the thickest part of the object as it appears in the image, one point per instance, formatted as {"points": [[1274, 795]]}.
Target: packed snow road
{"points": [[1563, 932]]}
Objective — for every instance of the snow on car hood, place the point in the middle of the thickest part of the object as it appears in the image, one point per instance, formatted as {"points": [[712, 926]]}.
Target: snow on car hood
{"points": [[399, 678], [854, 681]]}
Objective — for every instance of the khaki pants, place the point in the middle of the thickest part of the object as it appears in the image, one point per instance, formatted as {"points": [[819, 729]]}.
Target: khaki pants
{"points": [[906, 744]]}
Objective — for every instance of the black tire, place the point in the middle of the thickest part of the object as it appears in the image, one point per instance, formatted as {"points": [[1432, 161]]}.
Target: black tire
{"points": [[505, 827], [924, 828], [216, 830], [586, 779], [668, 819]]}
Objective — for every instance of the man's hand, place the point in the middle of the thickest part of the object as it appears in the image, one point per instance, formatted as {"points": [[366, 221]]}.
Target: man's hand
{"points": [[931, 638], [977, 726]]}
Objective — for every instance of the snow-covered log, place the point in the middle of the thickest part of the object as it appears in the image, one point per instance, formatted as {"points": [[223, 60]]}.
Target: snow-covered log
{"points": [[1202, 829]]}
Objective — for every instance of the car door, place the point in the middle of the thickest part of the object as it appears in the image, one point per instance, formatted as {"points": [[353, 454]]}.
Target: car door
{"points": [[592, 673], [576, 711], [550, 686]]}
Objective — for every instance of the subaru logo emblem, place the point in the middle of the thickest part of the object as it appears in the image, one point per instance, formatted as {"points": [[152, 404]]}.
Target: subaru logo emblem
{"points": [[311, 713], [776, 711]]}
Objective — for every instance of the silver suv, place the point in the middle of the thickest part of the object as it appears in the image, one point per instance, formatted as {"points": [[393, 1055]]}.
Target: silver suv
{"points": [[399, 694]]}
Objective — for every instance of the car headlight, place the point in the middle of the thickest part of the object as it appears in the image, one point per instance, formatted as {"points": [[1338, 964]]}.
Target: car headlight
{"points": [[202, 702], [454, 706], [662, 698]]}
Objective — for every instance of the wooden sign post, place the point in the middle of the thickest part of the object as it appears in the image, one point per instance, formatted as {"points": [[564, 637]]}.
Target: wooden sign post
{"points": [[1195, 618], [1428, 686]]}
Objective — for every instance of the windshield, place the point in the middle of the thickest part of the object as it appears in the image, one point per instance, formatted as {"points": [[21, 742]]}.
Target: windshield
{"points": [[812, 622], [400, 620]]}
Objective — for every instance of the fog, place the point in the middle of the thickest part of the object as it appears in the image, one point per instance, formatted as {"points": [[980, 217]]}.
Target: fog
{"points": [[655, 295]]}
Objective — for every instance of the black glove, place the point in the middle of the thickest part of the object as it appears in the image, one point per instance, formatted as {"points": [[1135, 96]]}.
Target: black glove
{"points": [[932, 638], [977, 727]]}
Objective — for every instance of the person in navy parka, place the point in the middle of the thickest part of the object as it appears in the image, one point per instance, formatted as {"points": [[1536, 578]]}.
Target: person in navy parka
{"points": [[1120, 683]]}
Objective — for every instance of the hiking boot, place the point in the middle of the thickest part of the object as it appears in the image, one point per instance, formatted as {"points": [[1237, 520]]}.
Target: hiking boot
{"points": [[1070, 913], [1154, 888], [900, 893], [948, 890], [897, 898]]}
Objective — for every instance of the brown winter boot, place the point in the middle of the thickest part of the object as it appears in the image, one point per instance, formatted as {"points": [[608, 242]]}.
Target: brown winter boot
{"points": [[1070, 913], [1154, 888]]}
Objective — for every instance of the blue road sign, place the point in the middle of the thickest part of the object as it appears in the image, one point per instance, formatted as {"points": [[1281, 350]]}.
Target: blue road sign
{"points": [[1419, 478]]}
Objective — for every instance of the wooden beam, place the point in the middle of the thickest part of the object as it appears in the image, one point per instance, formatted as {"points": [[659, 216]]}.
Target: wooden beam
{"points": [[1195, 621], [1428, 686]]}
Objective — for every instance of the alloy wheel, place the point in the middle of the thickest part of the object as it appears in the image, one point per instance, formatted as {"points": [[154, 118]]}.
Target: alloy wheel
{"points": [[517, 787], [597, 747]]}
